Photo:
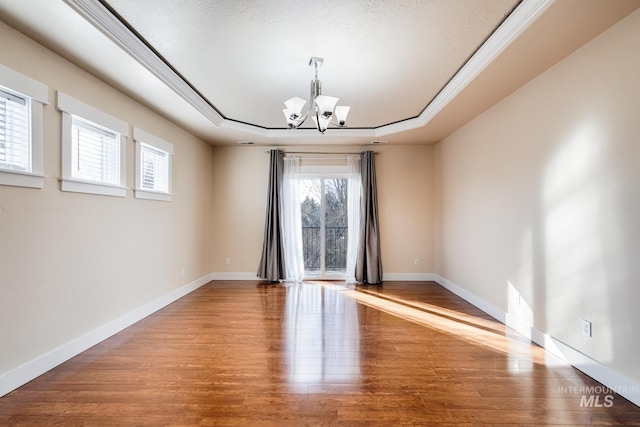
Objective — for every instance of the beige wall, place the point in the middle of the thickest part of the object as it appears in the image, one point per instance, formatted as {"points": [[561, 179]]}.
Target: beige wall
{"points": [[70, 262], [539, 196], [405, 186], [239, 203], [405, 205]]}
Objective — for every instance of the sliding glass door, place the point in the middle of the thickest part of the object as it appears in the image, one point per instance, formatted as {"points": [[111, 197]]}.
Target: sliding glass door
{"points": [[324, 226]]}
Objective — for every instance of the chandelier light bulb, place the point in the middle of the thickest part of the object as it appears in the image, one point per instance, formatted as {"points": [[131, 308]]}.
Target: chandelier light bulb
{"points": [[294, 107], [325, 105], [322, 123], [341, 113]]}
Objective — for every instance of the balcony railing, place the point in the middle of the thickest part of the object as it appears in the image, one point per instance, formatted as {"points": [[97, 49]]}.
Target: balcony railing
{"points": [[335, 248]]}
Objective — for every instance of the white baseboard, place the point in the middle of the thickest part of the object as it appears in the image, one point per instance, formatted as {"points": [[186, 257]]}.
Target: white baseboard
{"points": [[235, 276], [15, 378], [618, 383], [400, 277], [472, 298], [409, 277], [397, 277]]}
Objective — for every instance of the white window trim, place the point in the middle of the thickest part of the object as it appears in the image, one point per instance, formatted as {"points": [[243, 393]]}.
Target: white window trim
{"points": [[68, 106], [139, 137], [39, 94]]}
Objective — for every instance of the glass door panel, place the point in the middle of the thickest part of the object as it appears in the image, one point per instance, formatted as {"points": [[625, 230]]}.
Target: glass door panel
{"points": [[324, 227], [335, 226], [310, 210]]}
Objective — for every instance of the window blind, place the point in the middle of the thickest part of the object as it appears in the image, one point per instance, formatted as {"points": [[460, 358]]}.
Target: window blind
{"points": [[15, 138], [154, 169], [95, 152]]}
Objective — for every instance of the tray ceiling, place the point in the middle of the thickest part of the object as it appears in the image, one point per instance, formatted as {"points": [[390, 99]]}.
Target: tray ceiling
{"points": [[412, 71]]}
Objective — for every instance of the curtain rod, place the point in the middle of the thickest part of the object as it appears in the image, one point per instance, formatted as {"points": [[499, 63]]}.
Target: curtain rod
{"points": [[319, 152]]}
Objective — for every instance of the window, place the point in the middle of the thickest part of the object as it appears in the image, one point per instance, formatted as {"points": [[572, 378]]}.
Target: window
{"points": [[21, 122], [154, 169], [93, 149], [153, 166], [95, 152], [15, 132]]}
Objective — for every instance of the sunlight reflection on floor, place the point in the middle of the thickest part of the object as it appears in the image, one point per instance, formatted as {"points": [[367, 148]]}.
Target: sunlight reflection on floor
{"points": [[488, 333], [322, 336]]}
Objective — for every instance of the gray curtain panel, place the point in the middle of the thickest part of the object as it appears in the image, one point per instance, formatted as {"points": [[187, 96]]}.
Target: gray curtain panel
{"points": [[368, 263], [272, 265]]}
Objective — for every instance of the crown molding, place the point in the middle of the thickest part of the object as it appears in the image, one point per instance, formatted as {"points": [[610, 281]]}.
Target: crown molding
{"points": [[103, 19], [524, 14]]}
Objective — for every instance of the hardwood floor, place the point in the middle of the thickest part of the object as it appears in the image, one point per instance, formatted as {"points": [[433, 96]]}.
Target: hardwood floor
{"points": [[247, 353]]}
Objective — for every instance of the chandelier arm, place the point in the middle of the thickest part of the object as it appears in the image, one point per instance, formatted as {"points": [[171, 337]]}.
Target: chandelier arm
{"points": [[318, 123], [310, 104], [302, 119]]}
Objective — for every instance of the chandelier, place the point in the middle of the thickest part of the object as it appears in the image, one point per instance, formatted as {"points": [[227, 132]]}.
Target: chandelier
{"points": [[322, 108]]}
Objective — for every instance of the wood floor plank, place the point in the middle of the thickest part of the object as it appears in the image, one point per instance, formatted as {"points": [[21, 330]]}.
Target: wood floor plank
{"points": [[250, 353]]}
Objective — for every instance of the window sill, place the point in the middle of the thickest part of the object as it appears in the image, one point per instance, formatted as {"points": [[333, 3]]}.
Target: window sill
{"points": [[152, 195], [21, 179], [88, 187]]}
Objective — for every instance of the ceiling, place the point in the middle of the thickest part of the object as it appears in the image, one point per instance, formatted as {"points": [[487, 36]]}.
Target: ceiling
{"points": [[412, 71]]}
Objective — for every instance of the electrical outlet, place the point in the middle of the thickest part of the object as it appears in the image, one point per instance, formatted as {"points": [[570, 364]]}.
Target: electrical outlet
{"points": [[227, 261], [182, 272], [416, 261], [586, 328]]}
